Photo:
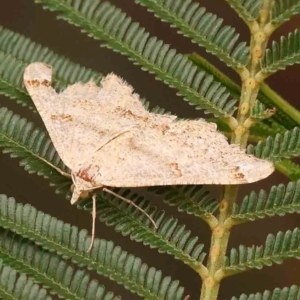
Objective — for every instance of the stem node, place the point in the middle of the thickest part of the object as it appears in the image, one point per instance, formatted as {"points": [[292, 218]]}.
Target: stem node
{"points": [[240, 129]]}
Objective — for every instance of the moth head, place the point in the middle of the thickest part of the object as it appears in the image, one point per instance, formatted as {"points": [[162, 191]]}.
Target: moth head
{"points": [[80, 189]]}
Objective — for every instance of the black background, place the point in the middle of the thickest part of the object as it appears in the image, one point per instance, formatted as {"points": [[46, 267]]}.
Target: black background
{"points": [[29, 19]]}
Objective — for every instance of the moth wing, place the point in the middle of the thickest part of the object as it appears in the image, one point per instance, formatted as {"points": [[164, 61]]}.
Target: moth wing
{"points": [[37, 80], [83, 117], [183, 152]]}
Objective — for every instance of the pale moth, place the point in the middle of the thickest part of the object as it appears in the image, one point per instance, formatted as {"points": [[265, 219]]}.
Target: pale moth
{"points": [[106, 137]]}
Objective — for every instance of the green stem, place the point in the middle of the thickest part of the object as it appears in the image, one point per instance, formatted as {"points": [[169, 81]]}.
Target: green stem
{"points": [[250, 88], [286, 114], [219, 242], [281, 103]]}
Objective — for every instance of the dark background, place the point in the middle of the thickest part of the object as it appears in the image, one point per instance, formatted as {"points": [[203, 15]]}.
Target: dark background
{"points": [[29, 19]]}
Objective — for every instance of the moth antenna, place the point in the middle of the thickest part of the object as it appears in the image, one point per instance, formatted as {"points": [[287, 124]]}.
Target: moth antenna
{"points": [[56, 168], [94, 223], [132, 203]]}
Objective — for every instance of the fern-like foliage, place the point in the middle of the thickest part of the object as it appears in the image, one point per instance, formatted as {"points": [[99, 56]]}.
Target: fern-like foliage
{"points": [[14, 286], [286, 145], [267, 128], [17, 51], [66, 240], [14, 55], [48, 269], [282, 107], [259, 112], [191, 199], [283, 10], [203, 28], [283, 54], [104, 21], [276, 249], [20, 139], [286, 293], [171, 237], [248, 10], [290, 169], [156, 110], [281, 200]]}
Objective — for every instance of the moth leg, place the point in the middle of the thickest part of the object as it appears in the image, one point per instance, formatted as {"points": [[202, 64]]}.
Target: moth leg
{"points": [[57, 169], [94, 212], [131, 203]]}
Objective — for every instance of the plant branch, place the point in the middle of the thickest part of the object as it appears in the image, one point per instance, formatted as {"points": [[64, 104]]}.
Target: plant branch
{"points": [[250, 89], [284, 105], [285, 113]]}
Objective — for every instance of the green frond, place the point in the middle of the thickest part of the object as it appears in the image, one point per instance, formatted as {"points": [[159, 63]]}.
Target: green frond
{"points": [[191, 199], [156, 110], [105, 258], [48, 269], [259, 112], [11, 72], [285, 145], [171, 237], [286, 114], [19, 287], [17, 51], [281, 55], [289, 169], [105, 22], [258, 133], [267, 128], [203, 28], [20, 139], [283, 10], [281, 200], [248, 10], [286, 293], [276, 249]]}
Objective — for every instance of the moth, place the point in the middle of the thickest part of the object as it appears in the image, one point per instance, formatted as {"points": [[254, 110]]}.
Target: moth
{"points": [[106, 137]]}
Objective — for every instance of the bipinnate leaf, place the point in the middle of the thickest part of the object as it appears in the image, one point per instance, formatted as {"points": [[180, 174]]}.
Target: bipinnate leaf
{"points": [[276, 249], [203, 28], [105, 22], [248, 10], [170, 237], [285, 115], [49, 269], [17, 51], [32, 146], [191, 199], [283, 10], [289, 169], [15, 286], [286, 293], [283, 146], [70, 243], [283, 54], [281, 200]]}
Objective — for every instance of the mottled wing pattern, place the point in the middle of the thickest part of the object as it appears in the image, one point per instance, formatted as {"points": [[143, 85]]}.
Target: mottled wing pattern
{"points": [[37, 81], [84, 117], [179, 152], [106, 137]]}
